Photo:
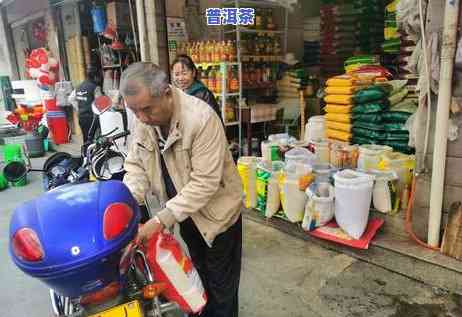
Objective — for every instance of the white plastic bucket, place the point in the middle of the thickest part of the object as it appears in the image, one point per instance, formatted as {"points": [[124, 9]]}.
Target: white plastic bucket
{"points": [[370, 156], [353, 195], [315, 129]]}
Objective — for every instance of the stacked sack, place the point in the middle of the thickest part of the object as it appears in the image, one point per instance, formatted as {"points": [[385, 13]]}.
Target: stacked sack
{"points": [[370, 24], [311, 37], [401, 108], [339, 100], [367, 115], [392, 41], [338, 40]]}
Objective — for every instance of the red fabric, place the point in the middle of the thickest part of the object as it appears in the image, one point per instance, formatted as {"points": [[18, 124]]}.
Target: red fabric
{"points": [[331, 232]]}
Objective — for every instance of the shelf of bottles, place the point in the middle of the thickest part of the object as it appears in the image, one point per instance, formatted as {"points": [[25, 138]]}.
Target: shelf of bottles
{"points": [[218, 70]]}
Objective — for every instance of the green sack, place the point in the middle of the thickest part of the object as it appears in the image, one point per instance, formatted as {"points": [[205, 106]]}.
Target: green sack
{"points": [[397, 136], [396, 116], [370, 94], [376, 117], [394, 127], [398, 97], [368, 125], [372, 107], [400, 146], [393, 86], [407, 105], [363, 140], [366, 133]]}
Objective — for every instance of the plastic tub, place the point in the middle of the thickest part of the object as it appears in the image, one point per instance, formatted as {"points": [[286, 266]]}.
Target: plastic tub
{"points": [[34, 145], [343, 156], [370, 156], [16, 173], [320, 207], [292, 198], [300, 155], [321, 150], [385, 195], [315, 129], [12, 152], [353, 196], [323, 172]]}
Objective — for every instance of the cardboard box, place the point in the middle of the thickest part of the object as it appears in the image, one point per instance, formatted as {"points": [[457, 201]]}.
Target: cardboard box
{"points": [[118, 14]]}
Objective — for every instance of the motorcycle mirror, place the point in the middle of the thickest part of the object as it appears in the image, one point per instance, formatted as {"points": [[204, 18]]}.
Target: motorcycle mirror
{"points": [[101, 105]]}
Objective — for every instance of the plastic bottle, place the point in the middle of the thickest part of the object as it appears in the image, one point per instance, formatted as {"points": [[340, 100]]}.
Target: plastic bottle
{"points": [[232, 51], [212, 80], [222, 51], [234, 80], [218, 80]]}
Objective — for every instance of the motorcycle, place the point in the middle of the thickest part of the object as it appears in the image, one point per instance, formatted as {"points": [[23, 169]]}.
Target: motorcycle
{"points": [[78, 240], [101, 159]]}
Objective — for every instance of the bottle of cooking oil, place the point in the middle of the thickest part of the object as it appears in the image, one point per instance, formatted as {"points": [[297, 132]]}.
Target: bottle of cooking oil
{"points": [[218, 80]]}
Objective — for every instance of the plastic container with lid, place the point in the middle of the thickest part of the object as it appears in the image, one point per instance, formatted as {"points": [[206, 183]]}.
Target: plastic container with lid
{"points": [[353, 196], [370, 156], [323, 172], [400, 163], [321, 150], [246, 166], [315, 129], [343, 156], [300, 155]]}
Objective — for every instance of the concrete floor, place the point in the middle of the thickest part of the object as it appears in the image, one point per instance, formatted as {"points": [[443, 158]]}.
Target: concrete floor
{"points": [[282, 276]]}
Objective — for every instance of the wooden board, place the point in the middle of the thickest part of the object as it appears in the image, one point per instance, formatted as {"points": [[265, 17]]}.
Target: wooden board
{"points": [[452, 239]]}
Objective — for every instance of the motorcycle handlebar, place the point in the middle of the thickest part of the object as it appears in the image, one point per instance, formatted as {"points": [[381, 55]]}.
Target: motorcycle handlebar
{"points": [[120, 135]]}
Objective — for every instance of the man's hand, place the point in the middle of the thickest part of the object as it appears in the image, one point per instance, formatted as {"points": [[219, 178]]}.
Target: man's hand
{"points": [[149, 229]]}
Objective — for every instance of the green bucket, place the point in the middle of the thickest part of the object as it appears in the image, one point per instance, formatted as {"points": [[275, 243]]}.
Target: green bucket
{"points": [[12, 152], [3, 182], [16, 173]]}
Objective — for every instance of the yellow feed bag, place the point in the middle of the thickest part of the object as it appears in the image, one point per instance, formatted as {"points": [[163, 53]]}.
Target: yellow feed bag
{"points": [[346, 127], [338, 117], [338, 108], [347, 90], [339, 99], [338, 135], [348, 81]]}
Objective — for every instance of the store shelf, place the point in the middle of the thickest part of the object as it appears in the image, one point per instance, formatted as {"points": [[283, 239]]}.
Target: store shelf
{"points": [[231, 123], [207, 65], [111, 66], [257, 3], [234, 94], [245, 30], [261, 58]]}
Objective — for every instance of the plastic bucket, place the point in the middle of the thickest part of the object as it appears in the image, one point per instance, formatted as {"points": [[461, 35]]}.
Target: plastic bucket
{"points": [[59, 129], [3, 182], [370, 156], [34, 146], [315, 129], [353, 196], [12, 152], [16, 173]]}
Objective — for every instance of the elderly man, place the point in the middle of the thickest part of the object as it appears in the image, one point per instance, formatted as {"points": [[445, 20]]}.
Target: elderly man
{"points": [[179, 152]]}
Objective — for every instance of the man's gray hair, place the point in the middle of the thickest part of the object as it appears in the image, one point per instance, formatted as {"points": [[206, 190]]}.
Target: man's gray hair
{"points": [[148, 74]]}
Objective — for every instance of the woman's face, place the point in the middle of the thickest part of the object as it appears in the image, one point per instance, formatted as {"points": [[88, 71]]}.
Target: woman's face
{"points": [[183, 77]]}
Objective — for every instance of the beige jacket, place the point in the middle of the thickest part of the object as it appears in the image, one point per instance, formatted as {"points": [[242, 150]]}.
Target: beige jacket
{"points": [[199, 163]]}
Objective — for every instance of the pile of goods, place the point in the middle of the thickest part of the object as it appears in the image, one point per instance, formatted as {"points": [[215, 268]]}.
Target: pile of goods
{"points": [[392, 41], [338, 39], [340, 100], [370, 23], [311, 37], [313, 184], [43, 67]]}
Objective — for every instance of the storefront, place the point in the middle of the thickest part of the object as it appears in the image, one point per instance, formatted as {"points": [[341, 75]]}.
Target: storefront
{"points": [[266, 77]]}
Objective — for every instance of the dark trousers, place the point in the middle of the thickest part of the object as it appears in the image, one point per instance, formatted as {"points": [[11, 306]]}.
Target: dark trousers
{"points": [[89, 124], [219, 267]]}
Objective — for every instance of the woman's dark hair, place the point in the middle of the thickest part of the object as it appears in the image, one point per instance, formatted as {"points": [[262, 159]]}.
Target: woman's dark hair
{"points": [[187, 62]]}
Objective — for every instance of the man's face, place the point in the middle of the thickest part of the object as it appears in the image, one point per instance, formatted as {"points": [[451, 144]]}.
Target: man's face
{"points": [[156, 111]]}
